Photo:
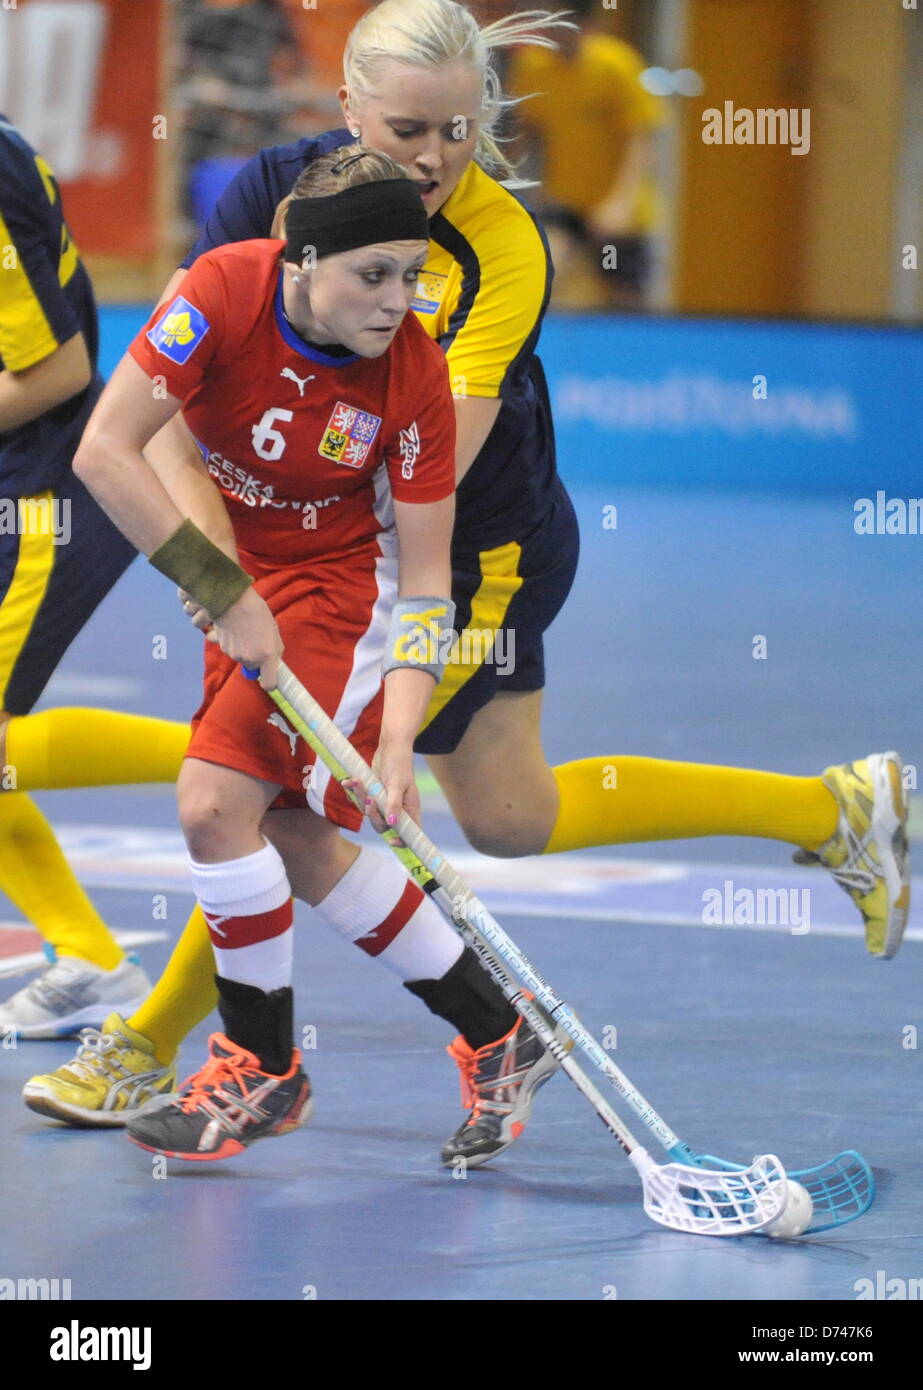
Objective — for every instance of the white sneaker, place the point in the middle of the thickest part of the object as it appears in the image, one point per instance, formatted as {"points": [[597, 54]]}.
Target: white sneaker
{"points": [[73, 994]]}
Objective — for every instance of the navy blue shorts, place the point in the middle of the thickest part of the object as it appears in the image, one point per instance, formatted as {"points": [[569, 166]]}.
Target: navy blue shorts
{"points": [[505, 599], [59, 557]]}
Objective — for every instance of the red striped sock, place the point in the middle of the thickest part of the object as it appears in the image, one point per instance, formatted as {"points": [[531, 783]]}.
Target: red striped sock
{"points": [[376, 906], [247, 904], [254, 950]]}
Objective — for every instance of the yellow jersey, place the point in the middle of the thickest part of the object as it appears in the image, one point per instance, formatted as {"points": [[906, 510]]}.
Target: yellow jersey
{"points": [[45, 300], [482, 296], [585, 110]]}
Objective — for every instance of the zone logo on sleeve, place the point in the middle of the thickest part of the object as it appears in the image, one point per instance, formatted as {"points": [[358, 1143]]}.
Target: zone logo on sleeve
{"points": [[349, 435], [179, 331], [409, 441]]}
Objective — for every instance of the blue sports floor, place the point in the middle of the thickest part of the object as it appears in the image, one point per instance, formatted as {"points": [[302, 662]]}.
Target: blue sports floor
{"points": [[747, 1038]]}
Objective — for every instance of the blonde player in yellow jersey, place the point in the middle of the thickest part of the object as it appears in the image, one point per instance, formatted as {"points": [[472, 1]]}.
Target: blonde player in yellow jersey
{"points": [[420, 84]]}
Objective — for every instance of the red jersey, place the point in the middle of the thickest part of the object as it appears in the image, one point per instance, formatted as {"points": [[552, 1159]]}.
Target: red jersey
{"points": [[307, 448]]}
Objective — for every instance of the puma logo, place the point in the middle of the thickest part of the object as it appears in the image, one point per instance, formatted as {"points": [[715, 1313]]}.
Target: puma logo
{"points": [[300, 382], [214, 922], [277, 722]]}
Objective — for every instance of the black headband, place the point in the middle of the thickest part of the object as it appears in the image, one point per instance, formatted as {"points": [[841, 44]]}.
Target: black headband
{"points": [[389, 210]]}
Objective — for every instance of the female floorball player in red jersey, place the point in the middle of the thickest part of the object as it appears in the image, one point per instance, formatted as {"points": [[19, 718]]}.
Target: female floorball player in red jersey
{"points": [[421, 85], [344, 528]]}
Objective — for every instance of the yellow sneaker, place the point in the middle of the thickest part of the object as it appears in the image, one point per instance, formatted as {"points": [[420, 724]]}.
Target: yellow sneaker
{"points": [[869, 856], [112, 1076]]}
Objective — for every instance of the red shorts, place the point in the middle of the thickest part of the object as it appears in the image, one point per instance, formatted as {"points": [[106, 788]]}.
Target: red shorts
{"points": [[333, 616]]}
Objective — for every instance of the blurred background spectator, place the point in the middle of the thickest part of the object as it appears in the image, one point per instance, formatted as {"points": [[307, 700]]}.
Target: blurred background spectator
{"points": [[251, 73], [587, 127], [240, 76]]}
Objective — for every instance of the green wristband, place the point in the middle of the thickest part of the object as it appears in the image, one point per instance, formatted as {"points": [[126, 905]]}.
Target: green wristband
{"points": [[191, 560]]}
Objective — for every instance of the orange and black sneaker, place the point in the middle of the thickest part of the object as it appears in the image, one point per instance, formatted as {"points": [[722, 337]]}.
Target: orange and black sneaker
{"points": [[498, 1085], [224, 1107]]}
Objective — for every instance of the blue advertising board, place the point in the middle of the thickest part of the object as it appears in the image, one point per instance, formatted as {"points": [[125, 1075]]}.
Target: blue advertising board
{"points": [[777, 406]]}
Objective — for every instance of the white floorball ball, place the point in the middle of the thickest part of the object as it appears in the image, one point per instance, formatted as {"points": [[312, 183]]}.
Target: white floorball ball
{"points": [[794, 1217]]}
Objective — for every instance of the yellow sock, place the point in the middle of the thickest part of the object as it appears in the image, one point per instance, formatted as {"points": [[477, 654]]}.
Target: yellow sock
{"points": [[35, 875], [615, 801], [92, 748], [184, 994]]}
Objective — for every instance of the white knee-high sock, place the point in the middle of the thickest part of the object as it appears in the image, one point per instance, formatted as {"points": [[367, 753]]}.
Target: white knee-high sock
{"points": [[376, 906], [247, 904]]}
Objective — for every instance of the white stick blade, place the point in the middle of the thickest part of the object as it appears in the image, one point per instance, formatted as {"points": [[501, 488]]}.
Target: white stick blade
{"points": [[713, 1203]]}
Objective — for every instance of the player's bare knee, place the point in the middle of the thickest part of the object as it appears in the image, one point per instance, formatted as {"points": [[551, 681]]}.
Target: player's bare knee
{"points": [[503, 836], [211, 825]]}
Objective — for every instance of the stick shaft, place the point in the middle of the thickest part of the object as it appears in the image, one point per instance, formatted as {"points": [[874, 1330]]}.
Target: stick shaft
{"points": [[432, 872]]}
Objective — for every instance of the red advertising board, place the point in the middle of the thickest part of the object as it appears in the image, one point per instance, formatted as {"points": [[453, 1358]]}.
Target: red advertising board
{"points": [[82, 80]]}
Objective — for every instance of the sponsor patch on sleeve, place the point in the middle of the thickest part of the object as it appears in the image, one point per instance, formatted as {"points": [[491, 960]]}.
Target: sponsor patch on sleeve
{"points": [[430, 292], [179, 330]]}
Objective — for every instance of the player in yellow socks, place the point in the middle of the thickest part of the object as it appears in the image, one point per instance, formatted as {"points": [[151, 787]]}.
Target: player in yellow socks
{"points": [[58, 559], [852, 820]]}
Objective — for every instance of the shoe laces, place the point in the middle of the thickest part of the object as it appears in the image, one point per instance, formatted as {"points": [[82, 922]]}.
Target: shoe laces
{"points": [[467, 1067], [479, 1092], [850, 873], [217, 1072], [94, 1047]]}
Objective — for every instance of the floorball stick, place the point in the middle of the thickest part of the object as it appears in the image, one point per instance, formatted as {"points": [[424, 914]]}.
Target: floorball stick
{"points": [[729, 1200]]}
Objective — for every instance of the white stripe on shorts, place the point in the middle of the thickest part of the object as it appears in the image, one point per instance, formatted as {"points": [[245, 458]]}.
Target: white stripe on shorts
{"points": [[365, 676]]}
